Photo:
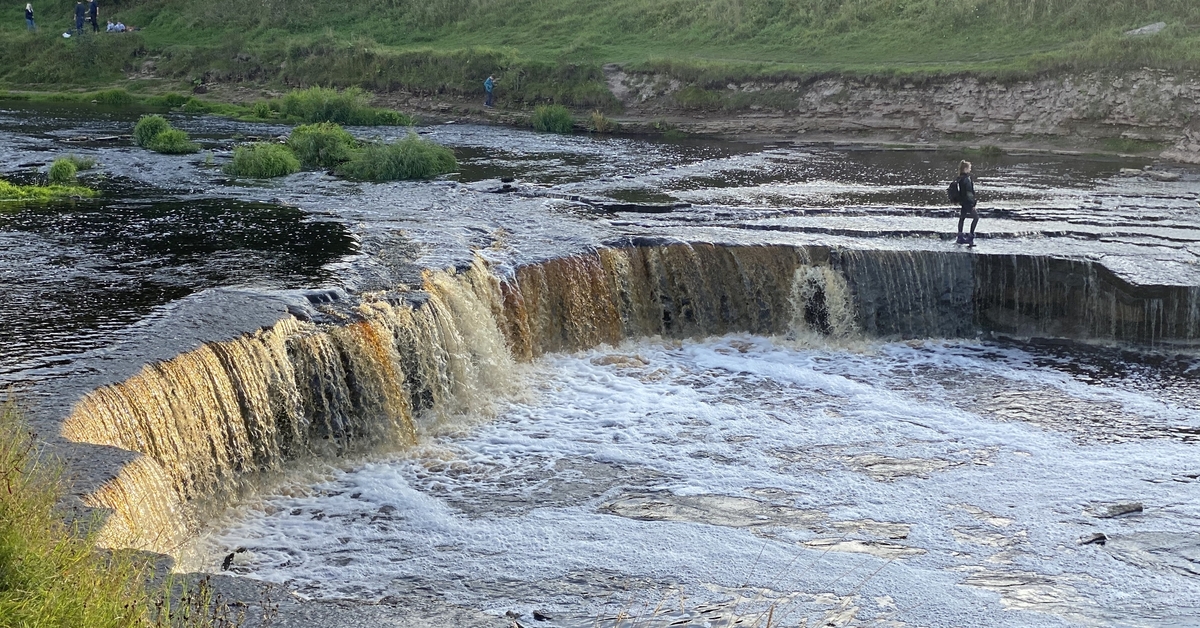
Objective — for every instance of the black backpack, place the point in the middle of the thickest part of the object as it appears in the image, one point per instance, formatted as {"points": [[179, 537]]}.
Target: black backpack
{"points": [[953, 192]]}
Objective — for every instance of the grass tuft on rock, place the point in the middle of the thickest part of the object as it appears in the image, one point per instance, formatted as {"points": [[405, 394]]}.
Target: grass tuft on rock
{"points": [[147, 127], [409, 158], [12, 192], [349, 107], [322, 145], [155, 133], [262, 161], [552, 119], [62, 172], [173, 142]]}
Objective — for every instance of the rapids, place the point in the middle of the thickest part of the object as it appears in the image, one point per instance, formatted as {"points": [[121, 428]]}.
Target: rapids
{"points": [[601, 377]]}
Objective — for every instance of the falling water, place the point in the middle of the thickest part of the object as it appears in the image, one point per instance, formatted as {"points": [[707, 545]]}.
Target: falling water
{"points": [[209, 421]]}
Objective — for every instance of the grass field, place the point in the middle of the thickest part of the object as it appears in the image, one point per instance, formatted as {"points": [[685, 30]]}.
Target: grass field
{"points": [[552, 50]]}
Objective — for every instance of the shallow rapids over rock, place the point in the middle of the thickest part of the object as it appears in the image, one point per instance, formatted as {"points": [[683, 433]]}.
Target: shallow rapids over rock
{"points": [[711, 481], [595, 381]]}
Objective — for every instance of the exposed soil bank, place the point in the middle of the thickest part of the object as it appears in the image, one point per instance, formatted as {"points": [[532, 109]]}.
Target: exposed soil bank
{"points": [[1145, 111]]}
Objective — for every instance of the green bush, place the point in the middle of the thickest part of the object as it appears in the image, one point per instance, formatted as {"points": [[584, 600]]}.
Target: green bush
{"points": [[62, 172], [322, 145], [410, 158], [262, 109], [262, 161], [147, 127], [172, 142], [350, 107], [116, 97], [552, 119]]}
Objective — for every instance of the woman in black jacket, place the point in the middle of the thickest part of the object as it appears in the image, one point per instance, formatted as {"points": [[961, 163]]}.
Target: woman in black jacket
{"points": [[966, 198]]}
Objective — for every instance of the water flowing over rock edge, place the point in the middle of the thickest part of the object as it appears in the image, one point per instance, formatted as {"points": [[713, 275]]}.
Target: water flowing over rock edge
{"points": [[393, 366]]}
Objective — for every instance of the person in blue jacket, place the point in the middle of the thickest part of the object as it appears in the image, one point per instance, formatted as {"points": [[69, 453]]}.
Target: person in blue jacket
{"points": [[967, 202], [29, 18], [488, 86], [94, 15], [80, 14]]}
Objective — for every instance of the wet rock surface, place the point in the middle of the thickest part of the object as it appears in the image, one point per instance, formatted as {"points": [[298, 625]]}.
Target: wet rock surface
{"points": [[900, 475]]}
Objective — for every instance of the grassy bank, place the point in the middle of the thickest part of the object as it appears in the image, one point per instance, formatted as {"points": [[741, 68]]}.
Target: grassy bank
{"points": [[552, 50]]}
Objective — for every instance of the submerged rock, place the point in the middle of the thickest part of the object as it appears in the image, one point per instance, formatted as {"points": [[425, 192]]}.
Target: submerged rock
{"points": [[1115, 509]]}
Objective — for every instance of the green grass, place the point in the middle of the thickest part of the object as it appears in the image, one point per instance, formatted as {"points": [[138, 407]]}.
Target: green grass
{"points": [[350, 106], [62, 172], [322, 145], [52, 576], [81, 163], [552, 119], [262, 161], [172, 142], [155, 133], [148, 127], [409, 158], [12, 192]]}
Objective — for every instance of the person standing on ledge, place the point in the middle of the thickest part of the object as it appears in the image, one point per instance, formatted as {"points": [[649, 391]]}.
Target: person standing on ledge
{"points": [[29, 25], [488, 86], [94, 14], [966, 199], [80, 13]]}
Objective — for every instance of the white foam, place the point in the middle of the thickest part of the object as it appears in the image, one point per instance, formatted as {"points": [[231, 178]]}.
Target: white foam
{"points": [[512, 514]]}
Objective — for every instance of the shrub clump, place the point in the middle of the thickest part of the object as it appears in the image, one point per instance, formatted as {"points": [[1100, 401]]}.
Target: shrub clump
{"points": [[115, 97], [155, 133], [262, 161], [62, 172], [147, 127], [552, 119], [173, 142], [350, 107], [409, 158], [322, 145]]}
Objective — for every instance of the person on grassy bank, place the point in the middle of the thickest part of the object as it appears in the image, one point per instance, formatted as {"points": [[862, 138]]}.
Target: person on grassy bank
{"points": [[94, 15], [80, 14], [967, 202], [29, 24], [488, 86]]}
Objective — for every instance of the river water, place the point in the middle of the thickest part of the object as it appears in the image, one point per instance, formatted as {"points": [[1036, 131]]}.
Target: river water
{"points": [[860, 481]]}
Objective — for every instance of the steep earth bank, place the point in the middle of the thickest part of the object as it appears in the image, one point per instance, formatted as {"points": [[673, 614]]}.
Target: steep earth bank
{"points": [[1144, 111]]}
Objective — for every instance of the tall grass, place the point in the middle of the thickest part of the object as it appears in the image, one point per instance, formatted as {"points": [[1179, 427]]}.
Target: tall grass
{"points": [[51, 575], [322, 145], [155, 133], [262, 161], [552, 119], [409, 158], [350, 106], [62, 172]]}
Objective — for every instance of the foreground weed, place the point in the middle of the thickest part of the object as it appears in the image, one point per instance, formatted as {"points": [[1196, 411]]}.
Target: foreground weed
{"points": [[51, 575]]}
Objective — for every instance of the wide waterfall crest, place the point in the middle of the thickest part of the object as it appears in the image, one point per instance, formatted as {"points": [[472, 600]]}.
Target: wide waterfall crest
{"points": [[397, 365]]}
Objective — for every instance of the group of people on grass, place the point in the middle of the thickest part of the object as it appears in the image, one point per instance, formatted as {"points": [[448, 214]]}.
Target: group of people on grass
{"points": [[89, 12]]}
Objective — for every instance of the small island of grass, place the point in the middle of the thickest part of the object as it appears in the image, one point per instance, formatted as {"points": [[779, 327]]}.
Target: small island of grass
{"points": [[13, 192]]}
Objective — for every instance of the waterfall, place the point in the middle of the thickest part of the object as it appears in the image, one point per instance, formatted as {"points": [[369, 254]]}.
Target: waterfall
{"points": [[211, 421]]}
